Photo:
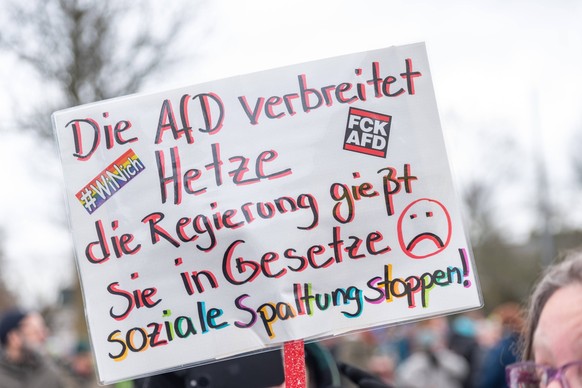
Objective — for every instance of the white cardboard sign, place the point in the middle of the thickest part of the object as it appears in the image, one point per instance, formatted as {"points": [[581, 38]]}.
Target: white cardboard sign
{"points": [[233, 216]]}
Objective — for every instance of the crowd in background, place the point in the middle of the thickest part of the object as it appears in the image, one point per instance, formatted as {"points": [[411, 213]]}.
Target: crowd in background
{"points": [[466, 350]]}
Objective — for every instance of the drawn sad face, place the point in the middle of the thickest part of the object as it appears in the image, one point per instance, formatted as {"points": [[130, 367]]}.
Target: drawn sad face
{"points": [[424, 228]]}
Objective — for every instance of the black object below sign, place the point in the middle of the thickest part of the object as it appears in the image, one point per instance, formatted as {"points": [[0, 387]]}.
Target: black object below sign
{"points": [[259, 370]]}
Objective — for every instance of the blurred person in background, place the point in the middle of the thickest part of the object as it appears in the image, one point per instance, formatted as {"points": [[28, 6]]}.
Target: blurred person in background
{"points": [[432, 364], [552, 351], [23, 362], [463, 341], [81, 368], [505, 351]]}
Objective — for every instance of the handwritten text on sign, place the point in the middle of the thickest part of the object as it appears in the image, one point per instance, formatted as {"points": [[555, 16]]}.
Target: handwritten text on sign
{"points": [[296, 203]]}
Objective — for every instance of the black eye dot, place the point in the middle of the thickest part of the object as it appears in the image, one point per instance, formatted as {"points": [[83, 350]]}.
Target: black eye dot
{"points": [[429, 214], [412, 216]]}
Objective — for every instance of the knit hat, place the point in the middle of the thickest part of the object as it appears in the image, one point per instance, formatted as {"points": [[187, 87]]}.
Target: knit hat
{"points": [[10, 321]]}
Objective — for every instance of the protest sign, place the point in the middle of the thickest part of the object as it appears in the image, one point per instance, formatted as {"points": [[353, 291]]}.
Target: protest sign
{"points": [[236, 215]]}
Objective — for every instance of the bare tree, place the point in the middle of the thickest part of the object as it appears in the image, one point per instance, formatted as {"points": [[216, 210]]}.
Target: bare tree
{"points": [[89, 50], [505, 270], [6, 297], [84, 51], [576, 156], [478, 201]]}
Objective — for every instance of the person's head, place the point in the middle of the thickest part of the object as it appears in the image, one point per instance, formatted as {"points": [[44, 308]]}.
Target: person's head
{"points": [[553, 332], [82, 360], [553, 286], [509, 316], [22, 333], [431, 334]]}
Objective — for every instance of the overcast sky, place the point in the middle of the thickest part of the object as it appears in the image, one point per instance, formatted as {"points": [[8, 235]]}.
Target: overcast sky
{"points": [[506, 74]]}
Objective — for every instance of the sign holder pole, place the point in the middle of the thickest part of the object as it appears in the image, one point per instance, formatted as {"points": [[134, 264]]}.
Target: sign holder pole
{"points": [[294, 364]]}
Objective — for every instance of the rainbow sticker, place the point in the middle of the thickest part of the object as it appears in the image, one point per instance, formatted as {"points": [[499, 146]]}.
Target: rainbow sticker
{"points": [[110, 181]]}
